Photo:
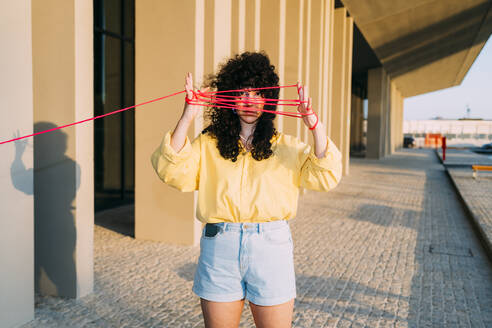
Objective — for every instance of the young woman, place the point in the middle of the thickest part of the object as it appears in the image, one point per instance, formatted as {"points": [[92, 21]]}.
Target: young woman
{"points": [[248, 177]]}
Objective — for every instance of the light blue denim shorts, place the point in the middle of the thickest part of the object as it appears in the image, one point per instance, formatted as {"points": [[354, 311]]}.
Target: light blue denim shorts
{"points": [[247, 260]]}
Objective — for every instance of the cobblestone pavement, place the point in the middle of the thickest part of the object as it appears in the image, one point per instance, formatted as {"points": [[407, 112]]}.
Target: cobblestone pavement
{"points": [[389, 247], [463, 156], [476, 193]]}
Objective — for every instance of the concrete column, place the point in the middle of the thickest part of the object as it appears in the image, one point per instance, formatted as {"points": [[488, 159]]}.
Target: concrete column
{"points": [[387, 116], [272, 41], [314, 62], [393, 118], [222, 31], [252, 21], [349, 22], [16, 182], [161, 212], [214, 17], [356, 123], [62, 44], [376, 121], [339, 57], [396, 118], [293, 57], [306, 57], [399, 122], [327, 78], [342, 62]]}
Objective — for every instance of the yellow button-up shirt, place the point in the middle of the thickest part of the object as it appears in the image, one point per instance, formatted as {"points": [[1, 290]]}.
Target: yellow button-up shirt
{"points": [[246, 190]]}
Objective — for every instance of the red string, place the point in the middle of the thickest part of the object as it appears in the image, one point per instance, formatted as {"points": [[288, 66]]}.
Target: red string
{"points": [[92, 118], [208, 99]]}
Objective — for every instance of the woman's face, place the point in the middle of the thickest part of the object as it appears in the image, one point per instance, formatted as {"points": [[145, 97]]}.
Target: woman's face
{"points": [[250, 102]]}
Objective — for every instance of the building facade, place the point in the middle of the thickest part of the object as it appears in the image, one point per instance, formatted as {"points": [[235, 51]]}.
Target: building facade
{"points": [[69, 60]]}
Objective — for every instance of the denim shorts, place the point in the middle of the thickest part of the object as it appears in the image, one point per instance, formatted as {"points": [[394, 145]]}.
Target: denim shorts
{"points": [[247, 260]]}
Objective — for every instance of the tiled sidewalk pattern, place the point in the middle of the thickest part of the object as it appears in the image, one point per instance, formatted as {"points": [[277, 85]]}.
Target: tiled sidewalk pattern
{"points": [[476, 193], [457, 156], [389, 247]]}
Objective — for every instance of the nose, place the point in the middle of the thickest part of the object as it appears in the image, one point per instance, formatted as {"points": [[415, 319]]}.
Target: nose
{"points": [[250, 95]]}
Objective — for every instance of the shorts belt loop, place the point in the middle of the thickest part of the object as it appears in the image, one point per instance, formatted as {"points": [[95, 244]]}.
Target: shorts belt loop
{"points": [[260, 228], [224, 226]]}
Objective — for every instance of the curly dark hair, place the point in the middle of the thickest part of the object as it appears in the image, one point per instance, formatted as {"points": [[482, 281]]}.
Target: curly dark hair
{"points": [[246, 70]]}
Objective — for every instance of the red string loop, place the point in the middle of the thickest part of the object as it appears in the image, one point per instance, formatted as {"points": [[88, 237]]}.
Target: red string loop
{"points": [[317, 119], [210, 99]]}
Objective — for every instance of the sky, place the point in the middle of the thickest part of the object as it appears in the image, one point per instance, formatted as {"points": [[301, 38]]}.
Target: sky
{"points": [[475, 91]]}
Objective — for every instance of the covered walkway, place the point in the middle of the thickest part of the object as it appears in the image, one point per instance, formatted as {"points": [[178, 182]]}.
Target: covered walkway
{"points": [[390, 246]]}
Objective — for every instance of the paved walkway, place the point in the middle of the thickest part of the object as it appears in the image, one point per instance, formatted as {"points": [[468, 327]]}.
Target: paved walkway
{"points": [[465, 157], [389, 247], [476, 193]]}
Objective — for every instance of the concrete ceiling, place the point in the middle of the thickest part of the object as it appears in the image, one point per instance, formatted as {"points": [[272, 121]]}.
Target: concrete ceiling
{"points": [[425, 45]]}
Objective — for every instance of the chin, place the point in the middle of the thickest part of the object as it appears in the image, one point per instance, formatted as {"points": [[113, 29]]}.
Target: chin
{"points": [[248, 118]]}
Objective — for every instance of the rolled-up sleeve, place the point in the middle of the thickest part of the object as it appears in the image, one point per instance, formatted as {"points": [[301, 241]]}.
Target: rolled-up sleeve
{"points": [[320, 174], [180, 170]]}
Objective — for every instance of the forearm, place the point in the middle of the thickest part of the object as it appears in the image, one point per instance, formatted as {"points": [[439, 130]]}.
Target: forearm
{"points": [[320, 140], [178, 136]]}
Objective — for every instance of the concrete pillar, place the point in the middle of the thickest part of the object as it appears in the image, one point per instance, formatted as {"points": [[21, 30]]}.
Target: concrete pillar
{"points": [[306, 57], [62, 44], [377, 112], [327, 79], [313, 60], [341, 93], [293, 60], [356, 123], [393, 117], [252, 21], [349, 21], [339, 57], [16, 183], [161, 212], [396, 118], [272, 41], [387, 117], [238, 26], [399, 122]]}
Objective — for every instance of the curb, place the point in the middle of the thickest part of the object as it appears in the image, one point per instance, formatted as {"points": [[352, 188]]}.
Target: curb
{"points": [[482, 236]]}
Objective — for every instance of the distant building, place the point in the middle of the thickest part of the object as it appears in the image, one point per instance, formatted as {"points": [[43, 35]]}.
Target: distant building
{"points": [[457, 132]]}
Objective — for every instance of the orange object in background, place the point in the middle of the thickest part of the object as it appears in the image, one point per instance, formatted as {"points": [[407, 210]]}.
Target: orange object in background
{"points": [[433, 140]]}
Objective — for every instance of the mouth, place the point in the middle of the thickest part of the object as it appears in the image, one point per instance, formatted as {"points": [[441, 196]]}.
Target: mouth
{"points": [[249, 113]]}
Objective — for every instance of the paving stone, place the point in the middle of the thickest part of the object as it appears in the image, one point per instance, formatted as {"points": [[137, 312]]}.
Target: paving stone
{"points": [[361, 256]]}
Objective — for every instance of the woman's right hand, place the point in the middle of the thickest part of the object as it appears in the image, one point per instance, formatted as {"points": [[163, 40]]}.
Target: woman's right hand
{"points": [[178, 137], [190, 111]]}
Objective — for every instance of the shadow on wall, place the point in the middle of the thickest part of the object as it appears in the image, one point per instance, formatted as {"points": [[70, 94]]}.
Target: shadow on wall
{"points": [[56, 180]]}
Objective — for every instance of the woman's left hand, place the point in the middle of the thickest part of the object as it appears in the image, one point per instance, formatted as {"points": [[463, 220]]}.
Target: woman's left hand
{"points": [[305, 106]]}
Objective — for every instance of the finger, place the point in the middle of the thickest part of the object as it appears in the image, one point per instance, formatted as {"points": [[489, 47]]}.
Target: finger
{"points": [[188, 78]]}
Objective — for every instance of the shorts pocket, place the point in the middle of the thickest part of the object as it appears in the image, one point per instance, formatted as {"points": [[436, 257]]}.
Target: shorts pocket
{"points": [[211, 231], [278, 236]]}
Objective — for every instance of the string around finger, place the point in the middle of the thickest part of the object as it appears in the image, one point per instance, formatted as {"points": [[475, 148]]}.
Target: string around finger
{"points": [[217, 99]]}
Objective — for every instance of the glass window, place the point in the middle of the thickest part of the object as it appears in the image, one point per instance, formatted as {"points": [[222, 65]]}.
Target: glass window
{"points": [[114, 84]]}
